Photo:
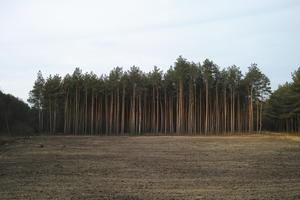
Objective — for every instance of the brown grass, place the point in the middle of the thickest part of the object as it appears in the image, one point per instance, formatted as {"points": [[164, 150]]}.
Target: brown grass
{"points": [[163, 167], [6, 140]]}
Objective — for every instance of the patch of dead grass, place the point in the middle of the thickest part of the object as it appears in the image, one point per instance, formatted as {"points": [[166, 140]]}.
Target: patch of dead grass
{"points": [[6, 140]]}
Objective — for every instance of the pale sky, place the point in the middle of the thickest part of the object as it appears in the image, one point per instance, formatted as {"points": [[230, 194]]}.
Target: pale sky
{"points": [[55, 36]]}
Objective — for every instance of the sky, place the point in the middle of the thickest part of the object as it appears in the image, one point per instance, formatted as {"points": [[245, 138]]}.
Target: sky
{"points": [[55, 36]]}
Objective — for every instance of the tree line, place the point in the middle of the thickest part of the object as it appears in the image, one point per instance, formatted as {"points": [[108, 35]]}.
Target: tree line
{"points": [[283, 106], [16, 117], [189, 98]]}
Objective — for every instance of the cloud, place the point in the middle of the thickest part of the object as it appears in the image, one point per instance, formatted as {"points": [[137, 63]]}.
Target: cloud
{"points": [[57, 36]]}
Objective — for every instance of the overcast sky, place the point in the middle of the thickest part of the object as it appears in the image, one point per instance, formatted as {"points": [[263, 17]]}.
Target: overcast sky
{"points": [[55, 36]]}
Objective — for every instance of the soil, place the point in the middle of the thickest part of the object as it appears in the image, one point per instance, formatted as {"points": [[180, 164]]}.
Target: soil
{"points": [[150, 167]]}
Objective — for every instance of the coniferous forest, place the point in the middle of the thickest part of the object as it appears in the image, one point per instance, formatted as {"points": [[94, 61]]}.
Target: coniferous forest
{"points": [[16, 117], [189, 98], [142, 100]]}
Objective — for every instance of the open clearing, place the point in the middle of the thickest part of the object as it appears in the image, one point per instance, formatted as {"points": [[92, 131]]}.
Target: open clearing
{"points": [[66, 167]]}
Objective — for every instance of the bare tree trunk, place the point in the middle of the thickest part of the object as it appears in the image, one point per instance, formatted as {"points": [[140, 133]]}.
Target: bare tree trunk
{"points": [[217, 111], [118, 111], [232, 110], [132, 129], [200, 110], [40, 119], [181, 107], [261, 109], [140, 115], [225, 111], [257, 116], [111, 104], [66, 114], [106, 114], [206, 108], [123, 111], [239, 113], [50, 117], [157, 112], [190, 110], [165, 112], [54, 123], [250, 111], [86, 112], [92, 113]]}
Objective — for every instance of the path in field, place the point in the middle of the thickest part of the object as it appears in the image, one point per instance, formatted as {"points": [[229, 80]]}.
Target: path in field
{"points": [[249, 167]]}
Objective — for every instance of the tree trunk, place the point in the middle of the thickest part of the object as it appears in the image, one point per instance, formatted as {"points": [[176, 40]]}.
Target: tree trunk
{"points": [[206, 108], [92, 113], [261, 111], [123, 111]]}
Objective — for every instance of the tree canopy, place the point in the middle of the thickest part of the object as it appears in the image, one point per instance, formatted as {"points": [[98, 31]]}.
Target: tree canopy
{"points": [[189, 98], [16, 117], [283, 106]]}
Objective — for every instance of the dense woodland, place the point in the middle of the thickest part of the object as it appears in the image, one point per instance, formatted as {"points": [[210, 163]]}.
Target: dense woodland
{"points": [[283, 107], [189, 98], [16, 117]]}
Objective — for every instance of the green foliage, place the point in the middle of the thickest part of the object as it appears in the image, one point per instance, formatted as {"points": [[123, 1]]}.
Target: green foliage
{"points": [[283, 106], [16, 117], [36, 94], [259, 82], [133, 100]]}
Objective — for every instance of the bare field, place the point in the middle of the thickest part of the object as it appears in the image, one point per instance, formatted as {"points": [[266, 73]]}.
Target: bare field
{"points": [[66, 167]]}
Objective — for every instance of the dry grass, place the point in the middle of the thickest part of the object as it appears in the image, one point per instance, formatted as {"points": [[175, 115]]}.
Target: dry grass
{"points": [[289, 136], [6, 140], [163, 167]]}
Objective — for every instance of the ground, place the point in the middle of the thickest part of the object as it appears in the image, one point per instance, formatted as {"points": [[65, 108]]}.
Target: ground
{"points": [[66, 167]]}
